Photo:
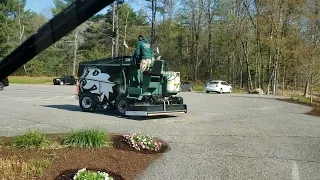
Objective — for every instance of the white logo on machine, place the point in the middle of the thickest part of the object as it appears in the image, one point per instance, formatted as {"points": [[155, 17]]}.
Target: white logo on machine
{"points": [[96, 82]]}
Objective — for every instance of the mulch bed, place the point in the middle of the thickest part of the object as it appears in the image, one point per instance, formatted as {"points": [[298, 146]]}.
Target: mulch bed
{"points": [[120, 162], [314, 112]]}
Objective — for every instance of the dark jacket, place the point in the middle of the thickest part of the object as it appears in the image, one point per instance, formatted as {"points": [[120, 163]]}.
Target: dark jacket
{"points": [[143, 50]]}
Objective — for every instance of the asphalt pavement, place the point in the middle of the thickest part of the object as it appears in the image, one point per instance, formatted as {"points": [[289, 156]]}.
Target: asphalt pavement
{"points": [[223, 136]]}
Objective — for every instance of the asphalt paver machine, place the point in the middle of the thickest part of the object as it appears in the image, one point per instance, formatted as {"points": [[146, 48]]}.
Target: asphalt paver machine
{"points": [[117, 82]]}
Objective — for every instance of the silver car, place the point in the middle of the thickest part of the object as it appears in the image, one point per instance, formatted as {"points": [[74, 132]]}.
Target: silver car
{"points": [[218, 86]]}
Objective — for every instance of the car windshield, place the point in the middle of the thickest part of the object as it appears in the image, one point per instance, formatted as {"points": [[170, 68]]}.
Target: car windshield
{"points": [[143, 88]]}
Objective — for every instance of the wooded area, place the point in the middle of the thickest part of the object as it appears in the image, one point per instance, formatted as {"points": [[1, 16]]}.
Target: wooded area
{"points": [[267, 44]]}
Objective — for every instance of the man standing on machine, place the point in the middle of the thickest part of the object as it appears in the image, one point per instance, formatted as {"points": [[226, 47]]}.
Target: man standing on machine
{"points": [[144, 53]]}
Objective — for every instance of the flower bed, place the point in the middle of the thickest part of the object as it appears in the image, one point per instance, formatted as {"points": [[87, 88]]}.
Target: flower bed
{"points": [[84, 174], [63, 161], [140, 142], [89, 174]]}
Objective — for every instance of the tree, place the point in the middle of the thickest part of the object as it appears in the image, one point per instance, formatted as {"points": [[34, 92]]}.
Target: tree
{"points": [[74, 39], [312, 50]]}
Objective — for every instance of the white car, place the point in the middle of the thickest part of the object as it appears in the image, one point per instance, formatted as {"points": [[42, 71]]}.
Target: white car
{"points": [[218, 86]]}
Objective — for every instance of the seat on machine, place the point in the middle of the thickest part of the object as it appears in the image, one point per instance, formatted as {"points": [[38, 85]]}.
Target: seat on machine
{"points": [[157, 68]]}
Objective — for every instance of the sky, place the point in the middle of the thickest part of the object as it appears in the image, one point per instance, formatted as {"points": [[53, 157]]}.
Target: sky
{"points": [[45, 5], [34, 5]]}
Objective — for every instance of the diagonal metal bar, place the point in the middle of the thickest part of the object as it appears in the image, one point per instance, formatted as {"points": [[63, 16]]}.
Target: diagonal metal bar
{"points": [[60, 25]]}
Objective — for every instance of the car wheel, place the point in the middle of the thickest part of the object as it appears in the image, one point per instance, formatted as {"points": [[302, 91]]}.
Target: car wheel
{"points": [[230, 90], [61, 83], [207, 91], [122, 105], [88, 102], [221, 91], [1, 86]]}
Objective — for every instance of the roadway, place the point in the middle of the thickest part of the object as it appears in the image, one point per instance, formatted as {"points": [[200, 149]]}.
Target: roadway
{"points": [[228, 136]]}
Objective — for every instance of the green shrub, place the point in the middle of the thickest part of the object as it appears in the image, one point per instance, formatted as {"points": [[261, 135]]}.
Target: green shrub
{"points": [[301, 100], [32, 139], [87, 139], [198, 87]]}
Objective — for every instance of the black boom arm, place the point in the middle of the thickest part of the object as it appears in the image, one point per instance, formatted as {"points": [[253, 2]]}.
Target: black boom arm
{"points": [[60, 25]]}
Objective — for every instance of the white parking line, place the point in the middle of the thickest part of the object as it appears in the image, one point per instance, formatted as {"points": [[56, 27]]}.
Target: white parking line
{"points": [[8, 97], [267, 107], [52, 98], [295, 171], [33, 98], [44, 98], [71, 97], [23, 98]]}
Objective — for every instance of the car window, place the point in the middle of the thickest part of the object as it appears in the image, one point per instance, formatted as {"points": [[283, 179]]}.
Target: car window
{"points": [[213, 83]]}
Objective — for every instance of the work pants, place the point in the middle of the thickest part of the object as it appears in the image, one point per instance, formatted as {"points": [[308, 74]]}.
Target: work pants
{"points": [[144, 66]]}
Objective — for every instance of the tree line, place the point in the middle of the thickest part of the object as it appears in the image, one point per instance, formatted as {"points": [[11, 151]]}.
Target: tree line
{"points": [[267, 44]]}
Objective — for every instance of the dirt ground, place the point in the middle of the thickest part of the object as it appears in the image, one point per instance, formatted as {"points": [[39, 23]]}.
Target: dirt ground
{"points": [[120, 161]]}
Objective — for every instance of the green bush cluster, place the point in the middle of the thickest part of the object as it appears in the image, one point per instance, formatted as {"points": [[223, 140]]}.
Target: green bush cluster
{"points": [[82, 138], [87, 139], [33, 139]]}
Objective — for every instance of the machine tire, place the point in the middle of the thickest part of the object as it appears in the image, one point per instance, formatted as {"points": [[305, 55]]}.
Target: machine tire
{"points": [[1, 86], [122, 104], [88, 102], [221, 91], [61, 83]]}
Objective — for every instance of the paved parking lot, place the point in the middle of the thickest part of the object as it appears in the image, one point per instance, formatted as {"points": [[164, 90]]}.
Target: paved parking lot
{"points": [[221, 137], [38, 92]]}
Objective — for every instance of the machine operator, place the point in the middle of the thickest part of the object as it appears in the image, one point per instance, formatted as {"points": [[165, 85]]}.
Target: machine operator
{"points": [[144, 53]]}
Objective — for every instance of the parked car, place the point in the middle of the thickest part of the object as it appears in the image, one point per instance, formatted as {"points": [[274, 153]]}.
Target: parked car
{"points": [[218, 86], [64, 80], [186, 86], [3, 83]]}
